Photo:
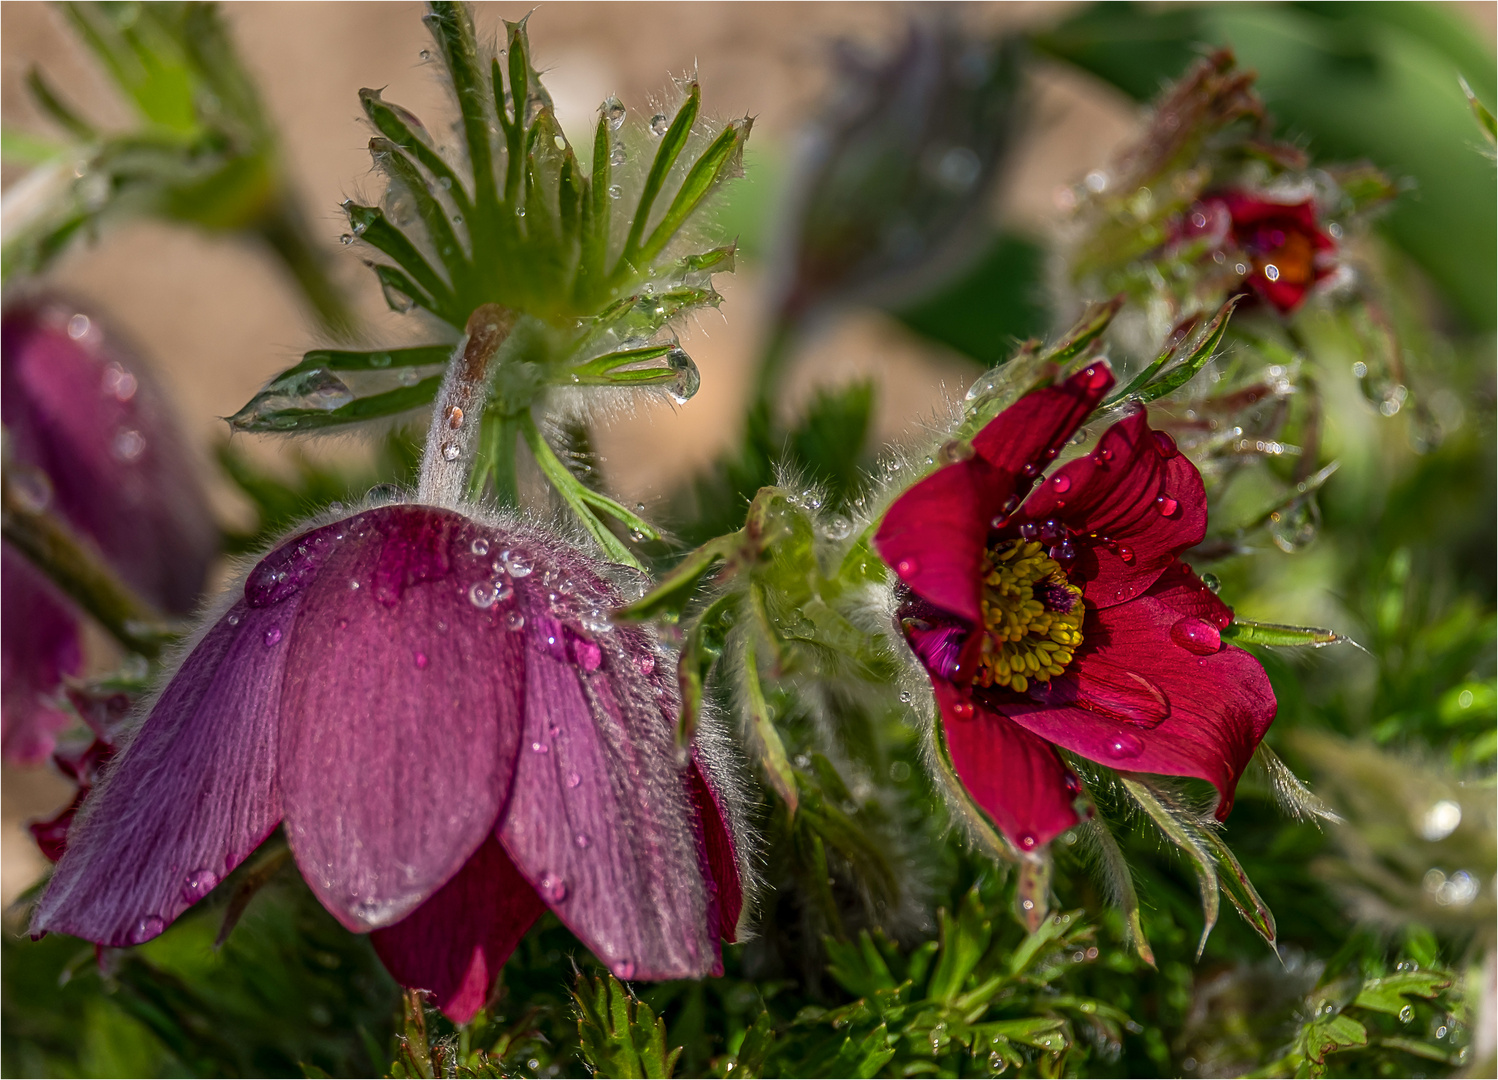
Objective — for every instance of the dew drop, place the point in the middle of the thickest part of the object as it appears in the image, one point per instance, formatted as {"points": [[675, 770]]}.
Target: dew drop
{"points": [[1061, 483], [1406, 1014], [1196, 636], [199, 884], [233, 619], [540, 748], [1165, 445], [645, 664], [146, 929], [625, 969], [515, 621], [587, 654], [353, 584], [421, 660], [1126, 553], [480, 546], [1212, 582], [658, 124], [962, 710], [451, 451], [1097, 376], [517, 564], [553, 888], [1027, 842], [483, 595], [272, 636], [907, 568], [1103, 456], [582, 840], [1124, 745], [615, 191], [1167, 506], [573, 780]]}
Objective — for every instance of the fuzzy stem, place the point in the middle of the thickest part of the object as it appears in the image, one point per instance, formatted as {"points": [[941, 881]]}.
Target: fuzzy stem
{"points": [[453, 439], [73, 568]]}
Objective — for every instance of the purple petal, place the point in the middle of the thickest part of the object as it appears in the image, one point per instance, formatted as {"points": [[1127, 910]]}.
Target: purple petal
{"points": [[38, 646], [454, 944], [719, 853], [598, 820], [187, 800], [401, 710], [84, 411]]}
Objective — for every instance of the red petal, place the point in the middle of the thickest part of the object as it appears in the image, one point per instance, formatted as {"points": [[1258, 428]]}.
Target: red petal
{"points": [[1135, 491], [934, 535], [454, 944], [719, 851], [1016, 778], [1219, 703]]}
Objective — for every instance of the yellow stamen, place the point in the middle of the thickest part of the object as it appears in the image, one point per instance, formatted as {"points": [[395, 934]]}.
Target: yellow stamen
{"points": [[1030, 639]]}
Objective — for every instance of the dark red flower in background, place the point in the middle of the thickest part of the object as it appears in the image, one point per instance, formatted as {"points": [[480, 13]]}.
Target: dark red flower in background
{"points": [[1285, 251], [1065, 619], [93, 439]]}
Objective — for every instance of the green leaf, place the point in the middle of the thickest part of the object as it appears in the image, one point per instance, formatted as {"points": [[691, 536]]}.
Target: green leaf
{"points": [[1120, 880], [433, 214], [766, 741], [716, 163], [1480, 112], [1252, 633], [1144, 387], [373, 360], [395, 124], [1325, 1036], [672, 144], [1240, 891], [1387, 995], [1174, 823], [585, 502], [1041, 1032], [674, 591], [370, 225], [597, 208], [703, 646], [452, 28], [621, 1036], [52, 104], [964, 940]]}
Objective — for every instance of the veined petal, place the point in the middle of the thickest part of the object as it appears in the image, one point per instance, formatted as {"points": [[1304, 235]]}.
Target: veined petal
{"points": [[188, 799], [454, 944], [935, 534], [1218, 699], [1016, 778], [599, 820], [401, 712], [1139, 495]]}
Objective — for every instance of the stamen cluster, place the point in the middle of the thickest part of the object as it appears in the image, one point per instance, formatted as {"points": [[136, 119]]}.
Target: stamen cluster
{"points": [[1033, 615]]}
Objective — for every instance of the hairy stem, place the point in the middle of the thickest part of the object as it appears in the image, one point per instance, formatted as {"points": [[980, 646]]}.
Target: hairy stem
{"points": [[453, 439]]}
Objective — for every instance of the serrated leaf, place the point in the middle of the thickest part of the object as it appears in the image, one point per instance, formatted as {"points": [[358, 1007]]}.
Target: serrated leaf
{"points": [[621, 1036], [964, 940], [1325, 1036]]}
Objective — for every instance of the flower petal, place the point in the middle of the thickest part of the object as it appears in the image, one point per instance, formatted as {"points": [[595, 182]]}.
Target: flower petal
{"points": [[38, 646], [598, 821], [1138, 494], [1219, 700], [401, 712], [934, 535], [719, 852], [187, 800], [1016, 778], [454, 944]]}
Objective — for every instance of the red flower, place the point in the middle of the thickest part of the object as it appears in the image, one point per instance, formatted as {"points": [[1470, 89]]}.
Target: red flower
{"points": [[1065, 618], [1285, 250]]}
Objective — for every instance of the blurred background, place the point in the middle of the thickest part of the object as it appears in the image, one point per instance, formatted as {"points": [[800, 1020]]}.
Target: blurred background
{"points": [[1406, 552]]}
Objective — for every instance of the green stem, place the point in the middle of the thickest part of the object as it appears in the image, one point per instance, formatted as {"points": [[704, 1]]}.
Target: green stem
{"points": [[498, 461], [74, 569]]}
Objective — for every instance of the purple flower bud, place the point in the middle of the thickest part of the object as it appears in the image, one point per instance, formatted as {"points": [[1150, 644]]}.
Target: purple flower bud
{"points": [[454, 737], [93, 439]]}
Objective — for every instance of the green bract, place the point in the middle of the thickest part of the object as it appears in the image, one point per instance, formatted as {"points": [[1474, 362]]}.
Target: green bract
{"points": [[594, 264]]}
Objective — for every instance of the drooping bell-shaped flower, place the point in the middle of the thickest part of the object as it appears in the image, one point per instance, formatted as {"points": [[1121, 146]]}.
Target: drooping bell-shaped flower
{"points": [[454, 737], [1058, 613], [90, 438]]}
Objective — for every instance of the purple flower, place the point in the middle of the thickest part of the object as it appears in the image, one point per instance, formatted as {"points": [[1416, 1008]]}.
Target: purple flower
{"points": [[454, 738], [94, 439]]}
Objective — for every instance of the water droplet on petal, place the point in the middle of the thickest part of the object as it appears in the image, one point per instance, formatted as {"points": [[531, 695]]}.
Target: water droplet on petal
{"points": [[573, 780], [540, 748], [1097, 376], [272, 636], [1125, 553], [1165, 445], [146, 929], [1124, 745], [1196, 636], [962, 710], [483, 595], [233, 619], [1167, 506], [1027, 842], [1103, 456], [421, 660], [907, 568], [517, 564], [646, 664], [480, 546], [199, 884], [553, 888], [515, 621], [1061, 483], [582, 840]]}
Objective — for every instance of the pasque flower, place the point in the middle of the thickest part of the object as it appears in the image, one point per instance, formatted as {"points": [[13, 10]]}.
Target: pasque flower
{"points": [[91, 438], [454, 738], [1057, 613], [1284, 250]]}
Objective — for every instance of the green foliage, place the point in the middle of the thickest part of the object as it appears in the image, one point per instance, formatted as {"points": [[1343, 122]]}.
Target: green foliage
{"points": [[621, 1036]]}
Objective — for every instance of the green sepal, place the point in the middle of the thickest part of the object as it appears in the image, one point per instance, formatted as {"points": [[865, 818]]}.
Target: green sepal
{"points": [[370, 225], [584, 501], [1480, 112], [433, 215], [255, 417], [390, 122], [372, 360], [704, 644], [674, 591], [1173, 823], [1233, 880], [717, 163], [1120, 878], [452, 28]]}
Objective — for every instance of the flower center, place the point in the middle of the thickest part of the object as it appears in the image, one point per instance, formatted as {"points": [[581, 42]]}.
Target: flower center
{"points": [[1032, 613]]}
